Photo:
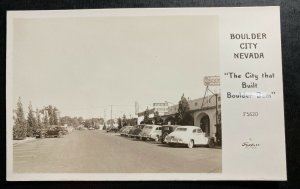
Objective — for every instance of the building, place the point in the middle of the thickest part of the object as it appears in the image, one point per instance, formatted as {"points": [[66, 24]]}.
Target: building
{"points": [[205, 113], [161, 108], [141, 115]]}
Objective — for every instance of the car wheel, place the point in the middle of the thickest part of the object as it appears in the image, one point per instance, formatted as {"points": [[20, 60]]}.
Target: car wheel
{"points": [[163, 138], [144, 139], [171, 144], [191, 144], [60, 134], [211, 143]]}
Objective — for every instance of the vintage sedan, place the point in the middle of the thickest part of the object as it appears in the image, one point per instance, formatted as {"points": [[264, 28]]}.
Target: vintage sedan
{"points": [[136, 132], [151, 132], [130, 132], [50, 132], [189, 136], [167, 129], [124, 130]]}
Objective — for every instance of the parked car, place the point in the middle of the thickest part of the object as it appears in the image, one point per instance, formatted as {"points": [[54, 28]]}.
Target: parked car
{"points": [[124, 131], [63, 129], [136, 132], [112, 129], [189, 136], [40, 133], [151, 132], [129, 134], [167, 129], [54, 132]]}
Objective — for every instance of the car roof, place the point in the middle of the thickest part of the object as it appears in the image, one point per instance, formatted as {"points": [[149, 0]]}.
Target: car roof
{"points": [[189, 127], [154, 125]]}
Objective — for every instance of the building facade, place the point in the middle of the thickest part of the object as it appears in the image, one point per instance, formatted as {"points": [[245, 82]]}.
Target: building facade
{"points": [[205, 112]]}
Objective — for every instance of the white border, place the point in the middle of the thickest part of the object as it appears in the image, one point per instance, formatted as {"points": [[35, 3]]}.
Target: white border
{"points": [[11, 15]]}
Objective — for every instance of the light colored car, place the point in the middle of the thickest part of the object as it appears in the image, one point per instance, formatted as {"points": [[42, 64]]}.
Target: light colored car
{"points": [[190, 136], [151, 132], [125, 130]]}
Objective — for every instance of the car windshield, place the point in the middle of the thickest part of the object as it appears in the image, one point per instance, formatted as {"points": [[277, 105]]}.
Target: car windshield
{"points": [[148, 127], [181, 129]]}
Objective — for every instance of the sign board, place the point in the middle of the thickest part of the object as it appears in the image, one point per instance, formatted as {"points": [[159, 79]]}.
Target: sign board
{"points": [[211, 80], [136, 105], [161, 108]]}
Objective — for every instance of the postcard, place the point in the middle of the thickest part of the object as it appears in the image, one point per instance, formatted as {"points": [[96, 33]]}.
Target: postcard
{"points": [[145, 94]]}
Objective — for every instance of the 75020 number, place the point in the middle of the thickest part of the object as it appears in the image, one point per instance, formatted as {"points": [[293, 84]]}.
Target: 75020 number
{"points": [[252, 114]]}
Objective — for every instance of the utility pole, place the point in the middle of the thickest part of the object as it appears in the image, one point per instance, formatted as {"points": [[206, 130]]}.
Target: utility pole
{"points": [[111, 115], [104, 121], [216, 109]]}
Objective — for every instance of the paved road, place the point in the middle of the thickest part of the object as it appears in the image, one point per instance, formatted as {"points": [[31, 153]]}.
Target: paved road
{"points": [[98, 152]]}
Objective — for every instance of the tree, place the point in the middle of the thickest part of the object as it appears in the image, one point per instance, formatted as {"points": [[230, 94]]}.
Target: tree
{"points": [[125, 121], [157, 119], [110, 122], [80, 120], [146, 117], [54, 114], [183, 117], [38, 119], [19, 127], [119, 123], [88, 123], [46, 119], [31, 122]]}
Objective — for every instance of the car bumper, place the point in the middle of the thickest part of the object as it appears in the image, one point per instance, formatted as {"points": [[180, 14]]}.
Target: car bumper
{"points": [[174, 141]]}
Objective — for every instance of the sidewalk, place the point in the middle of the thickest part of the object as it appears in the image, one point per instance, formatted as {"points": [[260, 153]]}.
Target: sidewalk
{"points": [[16, 142]]}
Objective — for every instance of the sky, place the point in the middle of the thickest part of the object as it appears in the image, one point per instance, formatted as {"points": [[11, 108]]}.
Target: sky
{"points": [[84, 65]]}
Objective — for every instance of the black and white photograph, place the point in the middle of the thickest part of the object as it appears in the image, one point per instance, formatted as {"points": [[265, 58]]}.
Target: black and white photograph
{"points": [[116, 94]]}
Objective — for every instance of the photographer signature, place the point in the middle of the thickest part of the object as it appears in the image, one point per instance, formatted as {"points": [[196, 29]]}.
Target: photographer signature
{"points": [[249, 144]]}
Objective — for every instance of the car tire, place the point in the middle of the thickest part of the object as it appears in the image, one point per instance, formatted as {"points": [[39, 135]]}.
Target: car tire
{"points": [[144, 139], [211, 143], [59, 134], [191, 144], [163, 137]]}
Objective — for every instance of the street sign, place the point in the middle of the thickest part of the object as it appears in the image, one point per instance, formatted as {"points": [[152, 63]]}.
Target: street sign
{"points": [[211, 80]]}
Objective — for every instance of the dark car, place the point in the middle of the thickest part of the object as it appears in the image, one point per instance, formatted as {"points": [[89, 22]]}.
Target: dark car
{"points": [[136, 132], [167, 129], [40, 133], [130, 132], [112, 129], [52, 132], [63, 129]]}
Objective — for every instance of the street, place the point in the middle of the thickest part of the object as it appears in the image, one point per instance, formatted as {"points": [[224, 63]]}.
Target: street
{"points": [[95, 151]]}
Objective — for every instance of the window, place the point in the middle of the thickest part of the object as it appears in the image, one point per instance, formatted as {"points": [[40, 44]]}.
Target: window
{"points": [[199, 131], [196, 103], [181, 129], [194, 131], [166, 128]]}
